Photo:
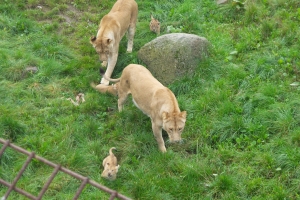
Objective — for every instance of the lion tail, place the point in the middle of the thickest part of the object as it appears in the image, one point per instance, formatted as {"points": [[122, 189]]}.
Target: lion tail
{"points": [[102, 73], [93, 85], [110, 151], [112, 89]]}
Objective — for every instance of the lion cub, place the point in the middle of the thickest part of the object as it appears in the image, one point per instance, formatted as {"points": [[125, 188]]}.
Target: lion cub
{"points": [[154, 25], [110, 166]]}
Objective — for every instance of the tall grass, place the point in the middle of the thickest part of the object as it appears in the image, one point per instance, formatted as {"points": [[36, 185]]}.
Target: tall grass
{"points": [[242, 136]]}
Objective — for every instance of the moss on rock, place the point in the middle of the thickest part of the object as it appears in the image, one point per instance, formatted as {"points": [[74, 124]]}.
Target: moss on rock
{"points": [[173, 56]]}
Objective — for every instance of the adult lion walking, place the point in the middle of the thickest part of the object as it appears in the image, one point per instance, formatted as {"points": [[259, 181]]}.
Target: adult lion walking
{"points": [[113, 26]]}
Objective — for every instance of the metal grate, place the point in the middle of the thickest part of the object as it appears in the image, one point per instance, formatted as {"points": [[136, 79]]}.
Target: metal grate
{"points": [[57, 168]]}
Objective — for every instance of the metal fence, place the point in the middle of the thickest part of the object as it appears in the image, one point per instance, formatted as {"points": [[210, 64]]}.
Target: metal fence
{"points": [[57, 168]]}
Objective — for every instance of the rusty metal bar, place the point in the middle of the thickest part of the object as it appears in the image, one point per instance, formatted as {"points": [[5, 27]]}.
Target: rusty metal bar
{"points": [[6, 143], [30, 196], [19, 175], [113, 195], [85, 180], [93, 183], [44, 189]]}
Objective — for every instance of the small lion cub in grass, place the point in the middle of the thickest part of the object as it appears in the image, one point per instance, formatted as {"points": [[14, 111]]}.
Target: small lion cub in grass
{"points": [[154, 25], [110, 166]]}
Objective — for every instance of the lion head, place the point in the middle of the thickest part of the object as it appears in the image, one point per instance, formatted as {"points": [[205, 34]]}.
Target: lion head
{"points": [[173, 124], [102, 46], [154, 25], [110, 171]]}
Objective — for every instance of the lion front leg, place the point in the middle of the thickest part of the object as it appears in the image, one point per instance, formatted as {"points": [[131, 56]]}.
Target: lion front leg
{"points": [[110, 68], [157, 131]]}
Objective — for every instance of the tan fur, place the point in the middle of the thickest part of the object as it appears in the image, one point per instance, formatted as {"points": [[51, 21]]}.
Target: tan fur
{"points": [[154, 100], [154, 25], [110, 166], [112, 89], [113, 26]]}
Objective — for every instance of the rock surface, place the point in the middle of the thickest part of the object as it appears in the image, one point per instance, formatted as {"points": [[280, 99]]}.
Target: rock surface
{"points": [[172, 56]]}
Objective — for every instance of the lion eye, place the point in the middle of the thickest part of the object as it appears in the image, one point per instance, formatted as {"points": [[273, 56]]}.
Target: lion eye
{"points": [[179, 129], [171, 129]]}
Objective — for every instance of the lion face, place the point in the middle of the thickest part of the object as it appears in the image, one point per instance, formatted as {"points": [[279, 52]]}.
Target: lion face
{"points": [[110, 172], [102, 46], [174, 124], [154, 25]]}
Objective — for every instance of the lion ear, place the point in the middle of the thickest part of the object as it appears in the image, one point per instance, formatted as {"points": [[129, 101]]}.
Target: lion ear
{"points": [[183, 114], [165, 115], [117, 168], [93, 39], [108, 41]]}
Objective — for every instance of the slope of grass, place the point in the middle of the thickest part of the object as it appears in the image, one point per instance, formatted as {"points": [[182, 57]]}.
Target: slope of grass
{"points": [[242, 134]]}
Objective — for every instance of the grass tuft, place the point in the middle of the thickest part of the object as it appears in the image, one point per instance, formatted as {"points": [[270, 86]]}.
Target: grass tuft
{"points": [[11, 129], [241, 138]]}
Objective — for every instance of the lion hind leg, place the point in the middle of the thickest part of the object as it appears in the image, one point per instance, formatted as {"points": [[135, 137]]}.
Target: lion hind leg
{"points": [[121, 100], [131, 31], [130, 35], [132, 26]]}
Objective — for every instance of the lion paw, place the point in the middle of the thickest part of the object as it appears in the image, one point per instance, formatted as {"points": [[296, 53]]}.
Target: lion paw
{"points": [[104, 81]]}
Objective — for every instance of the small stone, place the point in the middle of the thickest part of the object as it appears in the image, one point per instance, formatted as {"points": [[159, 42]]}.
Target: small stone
{"points": [[221, 1], [31, 69]]}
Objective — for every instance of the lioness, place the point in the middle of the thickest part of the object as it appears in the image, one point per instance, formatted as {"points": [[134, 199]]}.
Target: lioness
{"points": [[112, 28], [110, 166], [154, 100]]}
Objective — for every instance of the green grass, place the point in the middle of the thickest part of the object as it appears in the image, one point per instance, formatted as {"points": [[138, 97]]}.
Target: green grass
{"points": [[242, 136]]}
